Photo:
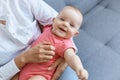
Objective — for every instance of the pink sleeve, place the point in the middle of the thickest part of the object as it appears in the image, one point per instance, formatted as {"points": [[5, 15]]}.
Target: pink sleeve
{"points": [[66, 44]]}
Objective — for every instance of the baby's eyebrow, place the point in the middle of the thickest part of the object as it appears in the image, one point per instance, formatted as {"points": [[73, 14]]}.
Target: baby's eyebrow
{"points": [[3, 22]]}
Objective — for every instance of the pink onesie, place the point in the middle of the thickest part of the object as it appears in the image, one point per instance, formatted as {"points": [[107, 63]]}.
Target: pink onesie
{"points": [[42, 68]]}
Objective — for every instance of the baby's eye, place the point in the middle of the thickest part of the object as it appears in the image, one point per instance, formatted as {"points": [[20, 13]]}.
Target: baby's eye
{"points": [[71, 25], [61, 19]]}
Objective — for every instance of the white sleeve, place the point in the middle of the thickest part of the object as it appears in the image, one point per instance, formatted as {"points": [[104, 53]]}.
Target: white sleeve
{"points": [[42, 11], [8, 70]]}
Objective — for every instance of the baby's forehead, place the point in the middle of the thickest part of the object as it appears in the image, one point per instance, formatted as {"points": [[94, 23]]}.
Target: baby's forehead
{"points": [[69, 9]]}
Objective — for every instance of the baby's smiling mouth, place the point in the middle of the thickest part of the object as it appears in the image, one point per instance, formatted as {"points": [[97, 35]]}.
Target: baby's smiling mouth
{"points": [[62, 29]]}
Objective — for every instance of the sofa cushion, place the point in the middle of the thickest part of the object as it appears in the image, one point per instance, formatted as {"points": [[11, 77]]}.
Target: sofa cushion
{"points": [[114, 43], [97, 58], [102, 23], [115, 5], [83, 5], [56, 4], [83, 42], [112, 4], [103, 65]]}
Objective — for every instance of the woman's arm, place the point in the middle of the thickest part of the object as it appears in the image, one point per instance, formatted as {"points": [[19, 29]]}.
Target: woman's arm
{"points": [[8, 70], [42, 12]]}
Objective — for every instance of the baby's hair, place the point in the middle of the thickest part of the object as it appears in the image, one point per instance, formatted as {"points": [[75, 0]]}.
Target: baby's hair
{"points": [[75, 8]]}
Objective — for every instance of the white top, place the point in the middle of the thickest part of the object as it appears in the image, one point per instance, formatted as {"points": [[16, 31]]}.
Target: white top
{"points": [[20, 30]]}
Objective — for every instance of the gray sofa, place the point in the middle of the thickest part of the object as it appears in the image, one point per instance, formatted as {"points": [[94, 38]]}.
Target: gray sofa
{"points": [[99, 39]]}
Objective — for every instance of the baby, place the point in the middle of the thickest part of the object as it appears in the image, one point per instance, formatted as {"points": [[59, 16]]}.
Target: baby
{"points": [[65, 26]]}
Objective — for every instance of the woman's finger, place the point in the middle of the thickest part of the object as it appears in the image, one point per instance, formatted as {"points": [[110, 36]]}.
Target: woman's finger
{"points": [[45, 57], [47, 45], [46, 52]]}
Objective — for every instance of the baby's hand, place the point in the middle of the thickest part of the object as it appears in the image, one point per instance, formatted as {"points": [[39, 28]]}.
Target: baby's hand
{"points": [[82, 74]]}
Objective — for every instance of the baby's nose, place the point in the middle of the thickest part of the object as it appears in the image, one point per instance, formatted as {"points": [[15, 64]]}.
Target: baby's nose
{"points": [[66, 24]]}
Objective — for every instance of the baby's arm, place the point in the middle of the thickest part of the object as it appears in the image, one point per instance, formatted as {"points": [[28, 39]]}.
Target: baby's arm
{"points": [[75, 63]]}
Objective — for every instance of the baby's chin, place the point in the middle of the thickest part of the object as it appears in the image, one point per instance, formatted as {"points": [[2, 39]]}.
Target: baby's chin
{"points": [[61, 35]]}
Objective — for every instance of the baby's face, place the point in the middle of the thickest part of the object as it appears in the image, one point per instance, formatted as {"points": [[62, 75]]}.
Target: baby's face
{"points": [[67, 23]]}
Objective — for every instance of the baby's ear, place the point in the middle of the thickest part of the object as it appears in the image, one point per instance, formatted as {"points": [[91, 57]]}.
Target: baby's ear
{"points": [[76, 33], [53, 19]]}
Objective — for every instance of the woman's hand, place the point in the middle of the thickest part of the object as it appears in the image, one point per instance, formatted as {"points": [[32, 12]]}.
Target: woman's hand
{"points": [[61, 65], [42, 52]]}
